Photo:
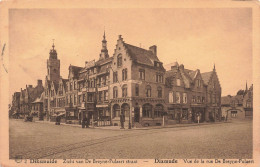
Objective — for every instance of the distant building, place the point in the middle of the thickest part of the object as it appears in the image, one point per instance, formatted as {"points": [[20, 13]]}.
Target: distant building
{"points": [[15, 107], [239, 106], [29, 95], [37, 107]]}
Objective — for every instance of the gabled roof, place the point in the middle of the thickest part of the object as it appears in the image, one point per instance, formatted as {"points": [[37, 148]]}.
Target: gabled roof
{"points": [[64, 81], [206, 76], [191, 73], [141, 55], [56, 86], [75, 70], [226, 100], [39, 99]]}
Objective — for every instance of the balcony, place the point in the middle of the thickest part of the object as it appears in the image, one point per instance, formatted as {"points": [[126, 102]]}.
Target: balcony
{"points": [[102, 88], [91, 89]]}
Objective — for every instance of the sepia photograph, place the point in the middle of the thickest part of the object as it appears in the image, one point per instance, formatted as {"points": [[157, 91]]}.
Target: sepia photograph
{"points": [[116, 86]]}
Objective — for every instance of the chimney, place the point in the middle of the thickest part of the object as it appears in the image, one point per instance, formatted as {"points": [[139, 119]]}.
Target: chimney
{"points": [[182, 66], [39, 82], [30, 86], [120, 36], [153, 49]]}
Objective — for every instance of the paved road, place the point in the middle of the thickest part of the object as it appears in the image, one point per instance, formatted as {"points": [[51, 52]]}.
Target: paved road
{"points": [[38, 140]]}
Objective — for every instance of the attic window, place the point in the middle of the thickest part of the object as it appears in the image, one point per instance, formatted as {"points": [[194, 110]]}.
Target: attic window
{"points": [[119, 48]]}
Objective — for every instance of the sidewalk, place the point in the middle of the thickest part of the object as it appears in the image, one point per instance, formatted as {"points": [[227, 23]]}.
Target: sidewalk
{"points": [[134, 128]]}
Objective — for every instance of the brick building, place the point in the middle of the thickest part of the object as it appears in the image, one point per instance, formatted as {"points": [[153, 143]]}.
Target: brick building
{"points": [[136, 86], [29, 95], [192, 95], [132, 82]]}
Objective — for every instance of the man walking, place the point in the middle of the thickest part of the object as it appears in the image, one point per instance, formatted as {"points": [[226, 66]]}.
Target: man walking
{"points": [[122, 120]]}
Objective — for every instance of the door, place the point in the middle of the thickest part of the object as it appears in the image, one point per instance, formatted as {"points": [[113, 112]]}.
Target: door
{"points": [[137, 114]]}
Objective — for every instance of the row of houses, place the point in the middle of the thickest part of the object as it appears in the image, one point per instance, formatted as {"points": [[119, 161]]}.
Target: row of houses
{"points": [[239, 106], [132, 82]]}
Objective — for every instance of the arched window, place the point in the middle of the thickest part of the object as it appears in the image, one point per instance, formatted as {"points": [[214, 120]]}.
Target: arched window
{"points": [[124, 91], [148, 90], [115, 92], [170, 97], [147, 110], [119, 60], [159, 92], [136, 90], [116, 111], [158, 111]]}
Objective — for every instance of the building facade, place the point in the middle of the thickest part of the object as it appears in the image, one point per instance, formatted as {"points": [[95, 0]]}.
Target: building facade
{"points": [[136, 85], [190, 95], [132, 83]]}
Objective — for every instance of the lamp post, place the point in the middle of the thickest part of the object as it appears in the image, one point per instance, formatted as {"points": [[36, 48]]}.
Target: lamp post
{"points": [[129, 125]]}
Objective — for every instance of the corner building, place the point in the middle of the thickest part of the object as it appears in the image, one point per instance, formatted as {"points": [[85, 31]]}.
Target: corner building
{"points": [[136, 85]]}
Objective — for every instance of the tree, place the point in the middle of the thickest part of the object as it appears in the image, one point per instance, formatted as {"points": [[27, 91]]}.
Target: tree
{"points": [[240, 92]]}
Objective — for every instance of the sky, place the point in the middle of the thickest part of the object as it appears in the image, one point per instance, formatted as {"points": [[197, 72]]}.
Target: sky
{"points": [[195, 37]]}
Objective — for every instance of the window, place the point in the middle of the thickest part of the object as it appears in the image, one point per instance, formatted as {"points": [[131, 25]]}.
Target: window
{"points": [[141, 74], [105, 80], [147, 110], [100, 96], [198, 99], [159, 78], [203, 99], [75, 85], [115, 79], [124, 74], [159, 91], [148, 90], [79, 99], [83, 97], [75, 100], [90, 97], [115, 92], [233, 114], [119, 60], [136, 90], [193, 99], [158, 111], [198, 83], [178, 82], [184, 98], [71, 85], [124, 91], [170, 97], [105, 95], [178, 98]]}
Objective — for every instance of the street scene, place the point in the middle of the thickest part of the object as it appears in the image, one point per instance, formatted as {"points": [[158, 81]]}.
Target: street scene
{"points": [[43, 140], [114, 91]]}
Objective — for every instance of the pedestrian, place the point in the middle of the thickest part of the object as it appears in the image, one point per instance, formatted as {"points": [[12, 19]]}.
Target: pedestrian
{"points": [[122, 120], [83, 122]]}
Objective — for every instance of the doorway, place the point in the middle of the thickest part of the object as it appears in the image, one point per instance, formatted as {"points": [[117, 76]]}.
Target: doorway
{"points": [[136, 114]]}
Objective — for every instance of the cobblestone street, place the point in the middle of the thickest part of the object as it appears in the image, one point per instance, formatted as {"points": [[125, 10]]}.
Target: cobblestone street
{"points": [[40, 140]]}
